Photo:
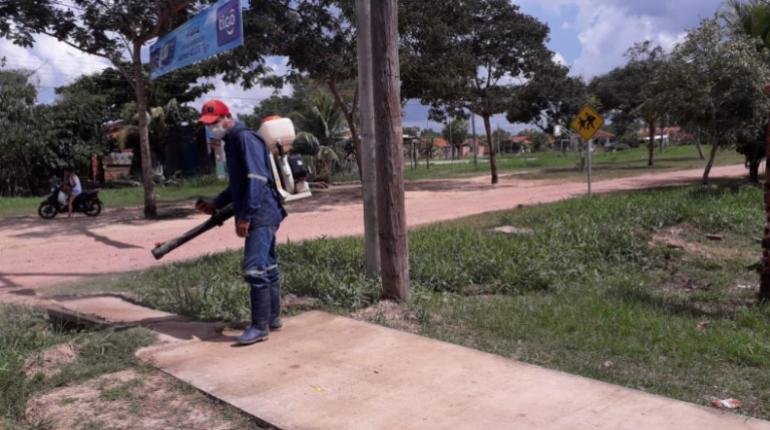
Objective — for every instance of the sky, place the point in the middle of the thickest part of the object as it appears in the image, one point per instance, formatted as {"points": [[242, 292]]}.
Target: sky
{"points": [[588, 36]]}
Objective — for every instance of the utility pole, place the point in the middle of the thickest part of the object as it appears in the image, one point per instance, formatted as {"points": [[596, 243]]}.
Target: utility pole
{"points": [[368, 165], [764, 279], [394, 254]]}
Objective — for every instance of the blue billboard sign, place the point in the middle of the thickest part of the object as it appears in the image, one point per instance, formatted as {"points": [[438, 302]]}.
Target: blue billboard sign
{"points": [[216, 29]]}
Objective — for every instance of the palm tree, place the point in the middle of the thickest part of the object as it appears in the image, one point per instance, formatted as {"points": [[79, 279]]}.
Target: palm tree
{"points": [[752, 18], [322, 127], [324, 120]]}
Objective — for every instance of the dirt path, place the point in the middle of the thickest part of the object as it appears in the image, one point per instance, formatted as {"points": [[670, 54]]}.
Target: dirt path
{"points": [[35, 254]]}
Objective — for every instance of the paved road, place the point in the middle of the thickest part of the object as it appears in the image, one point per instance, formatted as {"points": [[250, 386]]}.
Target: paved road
{"points": [[35, 253]]}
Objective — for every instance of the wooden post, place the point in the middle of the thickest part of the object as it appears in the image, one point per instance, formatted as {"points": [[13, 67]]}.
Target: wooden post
{"points": [[368, 166], [764, 279], [394, 256]]}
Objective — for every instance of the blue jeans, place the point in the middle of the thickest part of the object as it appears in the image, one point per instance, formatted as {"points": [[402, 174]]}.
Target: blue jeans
{"points": [[260, 264]]}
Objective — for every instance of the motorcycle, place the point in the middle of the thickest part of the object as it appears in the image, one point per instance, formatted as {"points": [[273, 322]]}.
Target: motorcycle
{"points": [[86, 202]]}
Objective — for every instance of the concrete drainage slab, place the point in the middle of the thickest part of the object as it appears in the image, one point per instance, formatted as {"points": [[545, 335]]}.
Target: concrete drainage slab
{"points": [[111, 309], [116, 311], [329, 372]]}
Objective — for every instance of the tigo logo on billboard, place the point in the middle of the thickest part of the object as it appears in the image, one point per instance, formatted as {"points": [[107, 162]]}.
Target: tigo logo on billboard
{"points": [[228, 22]]}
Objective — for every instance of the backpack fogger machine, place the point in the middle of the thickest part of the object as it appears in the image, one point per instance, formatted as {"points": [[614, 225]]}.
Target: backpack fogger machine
{"points": [[288, 170]]}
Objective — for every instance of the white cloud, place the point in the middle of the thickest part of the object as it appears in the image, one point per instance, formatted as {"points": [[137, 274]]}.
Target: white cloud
{"points": [[608, 31], [607, 28], [57, 64], [240, 100], [559, 59]]}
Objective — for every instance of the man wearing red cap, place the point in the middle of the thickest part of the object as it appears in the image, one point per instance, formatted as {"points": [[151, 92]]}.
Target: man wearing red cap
{"points": [[258, 213]]}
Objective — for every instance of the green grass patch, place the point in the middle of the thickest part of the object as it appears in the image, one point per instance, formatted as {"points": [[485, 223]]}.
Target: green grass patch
{"points": [[588, 291], [25, 333], [557, 165]]}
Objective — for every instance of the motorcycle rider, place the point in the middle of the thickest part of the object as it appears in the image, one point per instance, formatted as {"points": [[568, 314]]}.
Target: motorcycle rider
{"points": [[71, 186]]}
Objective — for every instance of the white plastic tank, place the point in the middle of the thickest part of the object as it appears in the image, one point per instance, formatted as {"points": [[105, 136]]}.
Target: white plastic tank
{"points": [[276, 130]]}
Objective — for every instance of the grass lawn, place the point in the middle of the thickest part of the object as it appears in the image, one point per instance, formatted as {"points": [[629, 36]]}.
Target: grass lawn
{"points": [[188, 190], [24, 333], [624, 288], [555, 165], [97, 385]]}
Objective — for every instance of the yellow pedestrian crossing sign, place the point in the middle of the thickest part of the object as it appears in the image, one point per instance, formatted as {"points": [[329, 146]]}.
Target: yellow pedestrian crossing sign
{"points": [[587, 122]]}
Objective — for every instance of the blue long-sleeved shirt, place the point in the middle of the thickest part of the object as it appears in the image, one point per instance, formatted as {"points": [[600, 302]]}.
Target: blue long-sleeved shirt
{"points": [[251, 190]]}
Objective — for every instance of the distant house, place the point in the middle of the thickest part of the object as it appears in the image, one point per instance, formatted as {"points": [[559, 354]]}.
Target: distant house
{"points": [[603, 138], [441, 147], [517, 144], [669, 135], [467, 148]]}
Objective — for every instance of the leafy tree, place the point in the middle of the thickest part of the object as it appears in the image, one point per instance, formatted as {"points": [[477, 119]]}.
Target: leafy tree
{"points": [[540, 140], [498, 136], [716, 85], [23, 154], [471, 54], [73, 123], [752, 19], [116, 31], [117, 91], [550, 99], [427, 144], [633, 91], [455, 132], [298, 102], [318, 39], [753, 148], [322, 118]]}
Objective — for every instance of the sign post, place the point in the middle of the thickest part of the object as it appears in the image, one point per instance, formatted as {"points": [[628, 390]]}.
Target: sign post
{"points": [[586, 124], [215, 29]]}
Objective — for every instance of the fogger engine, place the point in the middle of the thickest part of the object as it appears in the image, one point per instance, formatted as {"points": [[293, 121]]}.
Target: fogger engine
{"points": [[289, 170]]}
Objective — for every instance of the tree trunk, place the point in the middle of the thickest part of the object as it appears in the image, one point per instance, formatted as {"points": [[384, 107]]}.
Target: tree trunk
{"points": [[764, 279], [150, 208], [699, 147], [492, 158], [349, 115], [651, 146], [710, 163], [662, 127], [394, 254], [754, 171], [475, 142], [368, 166]]}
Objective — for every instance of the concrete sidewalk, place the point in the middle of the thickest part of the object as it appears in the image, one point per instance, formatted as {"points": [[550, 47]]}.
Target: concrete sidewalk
{"points": [[328, 372]]}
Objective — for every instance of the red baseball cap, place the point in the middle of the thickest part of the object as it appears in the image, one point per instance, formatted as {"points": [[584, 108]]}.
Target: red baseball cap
{"points": [[212, 110]]}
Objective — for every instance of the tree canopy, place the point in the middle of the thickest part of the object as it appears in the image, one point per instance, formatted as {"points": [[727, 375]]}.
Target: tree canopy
{"points": [[471, 54], [715, 85]]}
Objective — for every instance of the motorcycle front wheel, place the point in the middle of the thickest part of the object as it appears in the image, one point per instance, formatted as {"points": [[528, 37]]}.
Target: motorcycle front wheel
{"points": [[47, 210], [93, 208]]}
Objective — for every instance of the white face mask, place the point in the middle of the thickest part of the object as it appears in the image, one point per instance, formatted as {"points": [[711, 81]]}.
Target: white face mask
{"points": [[217, 131]]}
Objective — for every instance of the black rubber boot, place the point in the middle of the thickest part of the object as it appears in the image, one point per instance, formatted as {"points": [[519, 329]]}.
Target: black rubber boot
{"points": [[260, 314], [275, 306]]}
